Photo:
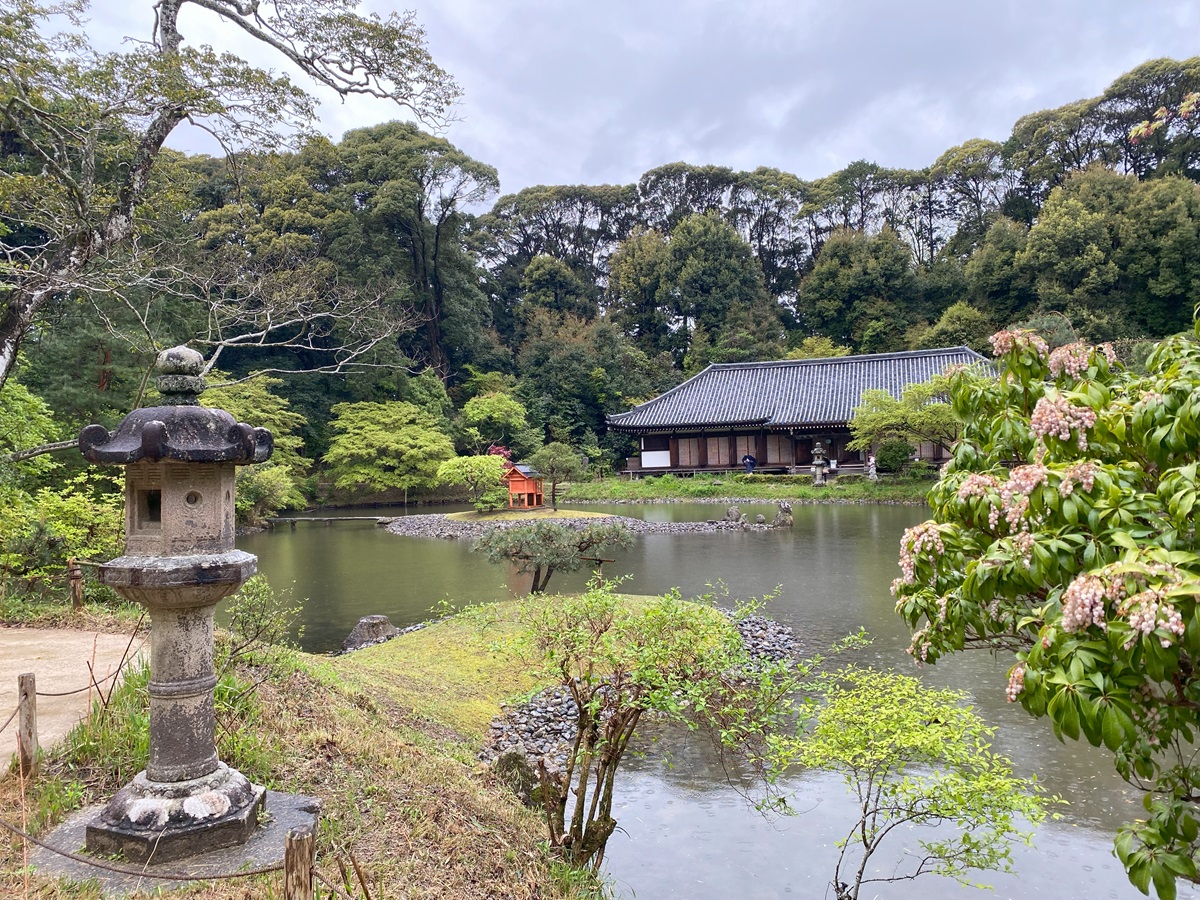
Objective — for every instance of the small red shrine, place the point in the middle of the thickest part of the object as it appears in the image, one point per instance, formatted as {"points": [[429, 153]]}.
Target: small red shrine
{"points": [[524, 487]]}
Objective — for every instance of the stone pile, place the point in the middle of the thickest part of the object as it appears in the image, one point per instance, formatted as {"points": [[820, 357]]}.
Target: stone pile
{"points": [[544, 726], [766, 639]]}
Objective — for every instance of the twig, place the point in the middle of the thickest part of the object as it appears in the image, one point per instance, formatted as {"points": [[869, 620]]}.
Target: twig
{"points": [[359, 872]]}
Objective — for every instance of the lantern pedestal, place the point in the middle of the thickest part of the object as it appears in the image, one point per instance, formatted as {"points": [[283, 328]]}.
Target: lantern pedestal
{"points": [[162, 821]]}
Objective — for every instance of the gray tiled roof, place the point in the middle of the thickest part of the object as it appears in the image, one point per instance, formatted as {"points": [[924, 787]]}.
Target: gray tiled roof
{"points": [[786, 394]]}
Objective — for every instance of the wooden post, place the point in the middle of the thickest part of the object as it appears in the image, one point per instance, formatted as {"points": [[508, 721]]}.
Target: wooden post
{"points": [[27, 745], [299, 849], [75, 578]]}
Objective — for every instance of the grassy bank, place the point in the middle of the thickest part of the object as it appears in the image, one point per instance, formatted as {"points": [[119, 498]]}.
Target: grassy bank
{"points": [[385, 737], [848, 489], [49, 611]]}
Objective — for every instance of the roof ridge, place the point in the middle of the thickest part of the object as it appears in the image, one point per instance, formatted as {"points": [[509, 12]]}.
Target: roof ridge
{"points": [[857, 357]]}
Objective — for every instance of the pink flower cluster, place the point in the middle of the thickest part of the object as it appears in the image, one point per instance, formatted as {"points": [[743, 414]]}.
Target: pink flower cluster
{"points": [[1023, 544], [1082, 474], [1014, 495], [976, 485], [920, 646], [1071, 358], [1084, 602], [1017, 338], [1016, 682], [923, 538], [1109, 353], [1016, 491], [1148, 611], [1056, 416]]}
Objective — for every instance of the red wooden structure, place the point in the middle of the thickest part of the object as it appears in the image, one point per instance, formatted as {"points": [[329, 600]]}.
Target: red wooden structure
{"points": [[524, 487]]}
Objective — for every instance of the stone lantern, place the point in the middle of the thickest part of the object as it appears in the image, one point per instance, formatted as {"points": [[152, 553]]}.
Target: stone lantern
{"points": [[179, 561], [820, 465]]}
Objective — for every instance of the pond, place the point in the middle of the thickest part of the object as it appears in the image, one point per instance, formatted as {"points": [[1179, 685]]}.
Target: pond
{"points": [[684, 832]]}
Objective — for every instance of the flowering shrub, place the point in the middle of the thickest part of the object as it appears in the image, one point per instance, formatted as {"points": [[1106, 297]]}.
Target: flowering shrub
{"points": [[1064, 533]]}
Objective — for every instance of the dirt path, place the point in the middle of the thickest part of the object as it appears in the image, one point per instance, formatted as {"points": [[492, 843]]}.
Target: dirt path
{"points": [[59, 660]]}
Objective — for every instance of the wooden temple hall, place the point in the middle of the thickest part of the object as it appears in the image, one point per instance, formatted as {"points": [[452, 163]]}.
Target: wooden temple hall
{"points": [[772, 411]]}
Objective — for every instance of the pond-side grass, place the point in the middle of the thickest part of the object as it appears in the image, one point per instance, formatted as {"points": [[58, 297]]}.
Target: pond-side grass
{"points": [[386, 737], [444, 672], [729, 487]]}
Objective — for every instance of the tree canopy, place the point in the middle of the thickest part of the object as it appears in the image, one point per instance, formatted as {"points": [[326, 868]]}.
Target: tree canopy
{"points": [[385, 445], [85, 131], [557, 462], [920, 415], [546, 547]]}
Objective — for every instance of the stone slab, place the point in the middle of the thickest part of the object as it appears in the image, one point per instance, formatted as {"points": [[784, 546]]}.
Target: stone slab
{"points": [[265, 848]]}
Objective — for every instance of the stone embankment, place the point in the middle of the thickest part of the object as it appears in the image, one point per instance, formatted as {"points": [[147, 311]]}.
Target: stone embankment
{"points": [[544, 726], [439, 526]]}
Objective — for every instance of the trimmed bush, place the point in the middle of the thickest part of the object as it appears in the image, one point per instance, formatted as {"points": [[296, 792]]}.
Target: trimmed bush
{"points": [[850, 478], [893, 456]]}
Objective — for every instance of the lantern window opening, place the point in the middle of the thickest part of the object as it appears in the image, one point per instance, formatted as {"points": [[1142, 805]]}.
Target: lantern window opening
{"points": [[149, 510]]}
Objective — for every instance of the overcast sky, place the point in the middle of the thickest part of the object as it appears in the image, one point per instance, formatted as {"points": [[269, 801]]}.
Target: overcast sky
{"points": [[568, 91]]}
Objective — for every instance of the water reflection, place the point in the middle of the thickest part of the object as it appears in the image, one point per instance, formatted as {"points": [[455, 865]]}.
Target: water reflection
{"points": [[685, 833]]}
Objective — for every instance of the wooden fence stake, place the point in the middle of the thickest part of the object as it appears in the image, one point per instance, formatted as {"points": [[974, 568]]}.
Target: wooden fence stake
{"points": [[27, 742], [299, 851], [75, 579]]}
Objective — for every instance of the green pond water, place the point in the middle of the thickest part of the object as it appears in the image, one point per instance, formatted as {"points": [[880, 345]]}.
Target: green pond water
{"points": [[684, 832]]}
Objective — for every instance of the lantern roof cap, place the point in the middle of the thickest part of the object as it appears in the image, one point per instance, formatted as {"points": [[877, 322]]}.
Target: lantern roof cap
{"points": [[180, 429]]}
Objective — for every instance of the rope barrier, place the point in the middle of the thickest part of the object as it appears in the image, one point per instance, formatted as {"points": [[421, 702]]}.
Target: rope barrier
{"points": [[10, 718], [87, 687], [129, 870]]}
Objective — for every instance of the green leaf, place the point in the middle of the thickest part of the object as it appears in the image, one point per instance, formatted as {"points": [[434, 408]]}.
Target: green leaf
{"points": [[1113, 728], [1164, 882]]}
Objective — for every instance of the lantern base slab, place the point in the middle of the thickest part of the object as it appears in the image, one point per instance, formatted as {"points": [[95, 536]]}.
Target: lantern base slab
{"points": [[162, 821]]}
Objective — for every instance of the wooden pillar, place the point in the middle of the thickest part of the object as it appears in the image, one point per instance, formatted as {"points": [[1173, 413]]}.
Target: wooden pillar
{"points": [[299, 850], [702, 452], [673, 447], [761, 443], [27, 741]]}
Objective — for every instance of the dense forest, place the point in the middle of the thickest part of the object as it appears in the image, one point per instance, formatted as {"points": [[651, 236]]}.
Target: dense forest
{"points": [[414, 300]]}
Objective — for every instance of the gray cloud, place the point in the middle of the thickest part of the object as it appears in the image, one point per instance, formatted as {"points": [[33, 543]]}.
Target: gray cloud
{"points": [[562, 91]]}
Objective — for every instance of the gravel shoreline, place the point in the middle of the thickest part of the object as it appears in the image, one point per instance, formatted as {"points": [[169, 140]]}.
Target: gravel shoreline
{"points": [[438, 526]]}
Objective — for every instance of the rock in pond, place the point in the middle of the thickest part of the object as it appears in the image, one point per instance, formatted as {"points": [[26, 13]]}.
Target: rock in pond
{"points": [[369, 630]]}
